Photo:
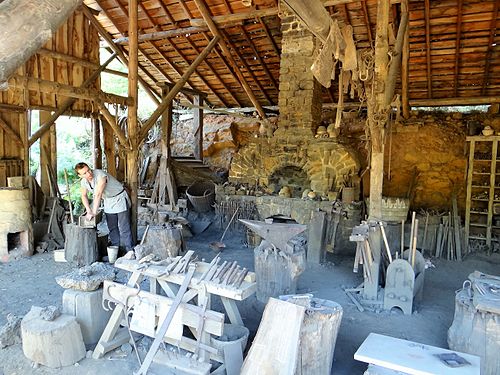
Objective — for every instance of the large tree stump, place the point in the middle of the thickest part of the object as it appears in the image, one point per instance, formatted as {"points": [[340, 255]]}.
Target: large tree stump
{"points": [[53, 343], [318, 334], [80, 245], [163, 241], [276, 271]]}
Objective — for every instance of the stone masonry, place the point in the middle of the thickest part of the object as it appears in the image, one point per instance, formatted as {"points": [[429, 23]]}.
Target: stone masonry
{"points": [[324, 160]]}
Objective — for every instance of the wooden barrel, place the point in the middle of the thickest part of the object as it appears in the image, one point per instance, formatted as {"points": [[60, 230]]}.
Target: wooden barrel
{"points": [[475, 332]]}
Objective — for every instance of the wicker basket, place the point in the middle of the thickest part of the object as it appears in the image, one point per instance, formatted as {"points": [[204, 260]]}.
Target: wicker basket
{"points": [[201, 195]]}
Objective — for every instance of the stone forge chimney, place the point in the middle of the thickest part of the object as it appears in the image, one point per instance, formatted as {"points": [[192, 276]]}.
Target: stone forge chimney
{"points": [[300, 94]]}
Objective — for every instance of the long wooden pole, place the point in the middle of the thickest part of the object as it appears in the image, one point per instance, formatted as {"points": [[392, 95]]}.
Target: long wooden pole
{"points": [[67, 103], [112, 122], [133, 73], [175, 90], [36, 84], [216, 32]]}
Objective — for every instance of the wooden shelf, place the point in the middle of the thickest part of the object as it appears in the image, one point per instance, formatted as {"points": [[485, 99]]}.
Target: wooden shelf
{"points": [[479, 213], [478, 225]]}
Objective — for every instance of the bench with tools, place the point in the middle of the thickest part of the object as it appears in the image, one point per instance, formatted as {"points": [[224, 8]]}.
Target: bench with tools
{"points": [[182, 279]]}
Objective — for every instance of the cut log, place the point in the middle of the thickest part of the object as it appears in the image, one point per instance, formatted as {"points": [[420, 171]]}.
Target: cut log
{"points": [[275, 347], [54, 343], [318, 334], [277, 272], [164, 242], [34, 23], [80, 245]]}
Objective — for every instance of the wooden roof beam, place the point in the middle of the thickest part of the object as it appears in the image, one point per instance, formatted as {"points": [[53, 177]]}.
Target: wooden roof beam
{"points": [[247, 68], [269, 36], [181, 55], [159, 35], [167, 12], [215, 31], [427, 12], [224, 20], [257, 55], [117, 49], [49, 87], [493, 30], [64, 106], [457, 45], [366, 16], [443, 102], [193, 46], [175, 90]]}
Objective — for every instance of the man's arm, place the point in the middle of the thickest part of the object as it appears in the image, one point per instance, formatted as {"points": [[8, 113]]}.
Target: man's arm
{"points": [[85, 201], [101, 185]]}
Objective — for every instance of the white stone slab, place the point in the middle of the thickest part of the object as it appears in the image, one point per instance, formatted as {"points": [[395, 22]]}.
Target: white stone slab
{"points": [[411, 357]]}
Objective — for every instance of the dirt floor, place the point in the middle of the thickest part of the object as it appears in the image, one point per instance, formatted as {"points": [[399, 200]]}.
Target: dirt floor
{"points": [[30, 281]]}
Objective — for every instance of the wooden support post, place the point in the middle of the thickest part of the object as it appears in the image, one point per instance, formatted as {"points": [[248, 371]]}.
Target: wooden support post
{"points": [[44, 158], [109, 147], [96, 143], [405, 70], [133, 127], [198, 127]]}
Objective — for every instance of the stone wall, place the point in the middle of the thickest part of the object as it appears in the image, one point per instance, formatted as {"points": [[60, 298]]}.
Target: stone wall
{"points": [[300, 94], [325, 162]]}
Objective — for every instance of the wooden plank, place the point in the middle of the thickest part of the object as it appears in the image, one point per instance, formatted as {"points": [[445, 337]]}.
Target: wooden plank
{"points": [[265, 355]]}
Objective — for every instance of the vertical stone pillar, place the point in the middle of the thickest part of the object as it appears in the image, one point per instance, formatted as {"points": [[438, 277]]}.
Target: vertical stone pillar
{"points": [[300, 94]]}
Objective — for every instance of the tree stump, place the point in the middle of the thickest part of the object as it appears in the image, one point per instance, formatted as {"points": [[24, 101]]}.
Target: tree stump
{"points": [[276, 271], [164, 242], [318, 334], [80, 245], [53, 343]]}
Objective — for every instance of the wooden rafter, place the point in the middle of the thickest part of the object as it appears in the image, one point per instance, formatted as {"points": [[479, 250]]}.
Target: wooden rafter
{"points": [[122, 32], [193, 46], [159, 35], [247, 68], [269, 36], [175, 90], [257, 55], [493, 30], [77, 60], [427, 12], [167, 12], [117, 49], [366, 16], [457, 46], [215, 31], [216, 50]]}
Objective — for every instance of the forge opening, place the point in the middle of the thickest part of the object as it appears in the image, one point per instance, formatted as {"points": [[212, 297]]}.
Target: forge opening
{"points": [[291, 176], [14, 241]]}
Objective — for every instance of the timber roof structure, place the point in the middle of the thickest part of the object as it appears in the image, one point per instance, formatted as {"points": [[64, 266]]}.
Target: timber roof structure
{"points": [[454, 50]]}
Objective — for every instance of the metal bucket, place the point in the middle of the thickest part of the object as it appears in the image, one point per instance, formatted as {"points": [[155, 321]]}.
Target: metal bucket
{"points": [[201, 195]]}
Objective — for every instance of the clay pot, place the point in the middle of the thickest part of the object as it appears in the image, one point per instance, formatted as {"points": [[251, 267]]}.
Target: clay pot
{"points": [[285, 192], [487, 131]]}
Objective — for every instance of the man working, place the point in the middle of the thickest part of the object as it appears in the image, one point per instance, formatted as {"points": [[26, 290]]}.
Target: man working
{"points": [[116, 203]]}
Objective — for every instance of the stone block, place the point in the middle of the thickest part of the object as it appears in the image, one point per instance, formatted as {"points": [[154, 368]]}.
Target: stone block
{"points": [[89, 313], [10, 333]]}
